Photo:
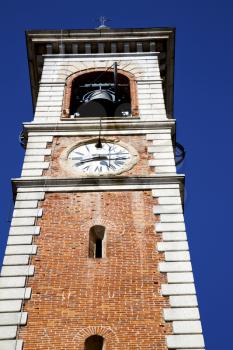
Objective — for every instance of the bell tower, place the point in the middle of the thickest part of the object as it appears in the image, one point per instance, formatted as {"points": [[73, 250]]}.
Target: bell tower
{"points": [[97, 256]]}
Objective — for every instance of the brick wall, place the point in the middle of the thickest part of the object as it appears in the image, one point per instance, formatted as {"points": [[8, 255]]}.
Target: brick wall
{"points": [[74, 296]]}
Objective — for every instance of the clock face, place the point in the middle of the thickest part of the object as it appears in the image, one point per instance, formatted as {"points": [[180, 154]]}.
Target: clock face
{"points": [[111, 158]]}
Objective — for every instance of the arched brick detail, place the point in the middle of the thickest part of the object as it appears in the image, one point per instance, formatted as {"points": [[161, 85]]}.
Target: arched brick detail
{"points": [[105, 331], [72, 77]]}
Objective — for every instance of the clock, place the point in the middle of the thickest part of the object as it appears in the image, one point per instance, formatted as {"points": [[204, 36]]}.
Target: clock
{"points": [[113, 157]]}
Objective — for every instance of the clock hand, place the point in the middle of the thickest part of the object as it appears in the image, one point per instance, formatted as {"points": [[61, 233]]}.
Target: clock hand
{"points": [[91, 159], [117, 158]]}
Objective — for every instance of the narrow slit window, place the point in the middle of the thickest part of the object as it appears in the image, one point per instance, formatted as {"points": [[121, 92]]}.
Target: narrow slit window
{"points": [[96, 242]]}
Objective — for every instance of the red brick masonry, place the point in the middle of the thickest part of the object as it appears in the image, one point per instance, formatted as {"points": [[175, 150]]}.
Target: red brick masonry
{"points": [[74, 296]]}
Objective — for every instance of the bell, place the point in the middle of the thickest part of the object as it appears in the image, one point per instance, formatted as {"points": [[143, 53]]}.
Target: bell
{"points": [[99, 95]]}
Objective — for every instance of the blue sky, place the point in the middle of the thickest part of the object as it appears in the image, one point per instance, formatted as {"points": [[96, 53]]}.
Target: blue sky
{"points": [[203, 109]]}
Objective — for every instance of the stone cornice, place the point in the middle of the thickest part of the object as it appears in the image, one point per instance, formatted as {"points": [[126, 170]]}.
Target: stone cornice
{"points": [[107, 125], [98, 183]]}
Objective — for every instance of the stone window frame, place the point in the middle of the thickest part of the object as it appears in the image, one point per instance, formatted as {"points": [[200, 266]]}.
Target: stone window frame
{"points": [[72, 77]]}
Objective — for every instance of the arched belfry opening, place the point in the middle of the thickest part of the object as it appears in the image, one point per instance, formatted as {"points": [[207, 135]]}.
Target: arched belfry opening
{"points": [[101, 94], [97, 239], [94, 342]]}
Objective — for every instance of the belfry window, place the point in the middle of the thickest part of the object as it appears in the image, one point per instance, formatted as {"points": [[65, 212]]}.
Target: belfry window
{"points": [[100, 94], [94, 342], [97, 242]]}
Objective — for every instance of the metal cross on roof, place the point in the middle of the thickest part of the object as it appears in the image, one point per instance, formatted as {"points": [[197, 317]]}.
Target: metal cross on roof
{"points": [[102, 21]]}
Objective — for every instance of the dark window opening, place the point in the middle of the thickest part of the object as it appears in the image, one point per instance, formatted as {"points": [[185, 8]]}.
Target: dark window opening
{"points": [[94, 342], [96, 241], [94, 95], [98, 248]]}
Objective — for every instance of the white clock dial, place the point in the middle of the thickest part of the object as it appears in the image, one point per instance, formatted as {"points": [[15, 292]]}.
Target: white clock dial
{"points": [[110, 158]]}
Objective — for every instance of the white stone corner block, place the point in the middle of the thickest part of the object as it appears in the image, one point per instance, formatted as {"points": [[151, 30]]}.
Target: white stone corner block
{"points": [[36, 139], [175, 266], [185, 341], [186, 327], [11, 344], [22, 213], [23, 221], [8, 332], [26, 204], [16, 240], [22, 270], [180, 277], [178, 289], [28, 196], [15, 293], [11, 282], [169, 201], [183, 301], [33, 145], [38, 152], [165, 169], [176, 226], [174, 236], [172, 246], [13, 318], [21, 249], [179, 314], [35, 165], [173, 192], [177, 256], [171, 218], [24, 230], [31, 172], [10, 305], [15, 260], [167, 209]]}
